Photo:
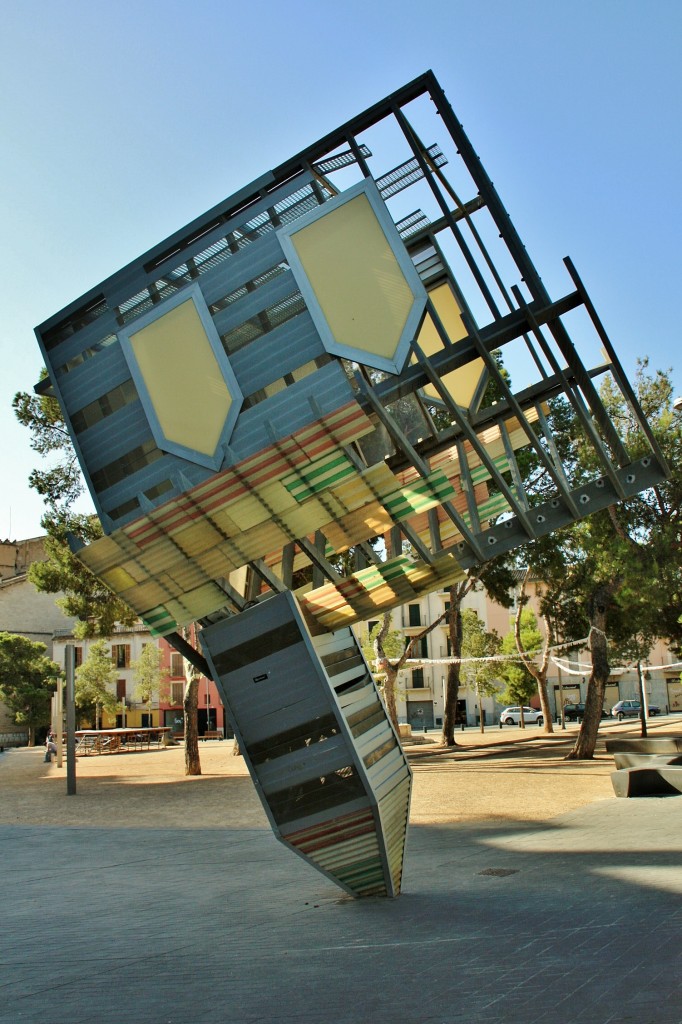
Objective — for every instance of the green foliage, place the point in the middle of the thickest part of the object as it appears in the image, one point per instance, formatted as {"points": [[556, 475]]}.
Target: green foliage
{"points": [[61, 483], [96, 681], [478, 642], [86, 598], [150, 678], [629, 554], [393, 644], [27, 680], [520, 684]]}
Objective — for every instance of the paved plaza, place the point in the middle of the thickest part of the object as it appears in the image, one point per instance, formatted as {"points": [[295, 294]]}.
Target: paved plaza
{"points": [[573, 919]]}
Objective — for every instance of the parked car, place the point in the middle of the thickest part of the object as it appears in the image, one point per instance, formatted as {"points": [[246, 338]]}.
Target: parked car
{"points": [[512, 716], [576, 712], [631, 709]]}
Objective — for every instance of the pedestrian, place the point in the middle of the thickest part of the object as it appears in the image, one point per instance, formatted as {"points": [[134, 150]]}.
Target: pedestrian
{"points": [[50, 747]]}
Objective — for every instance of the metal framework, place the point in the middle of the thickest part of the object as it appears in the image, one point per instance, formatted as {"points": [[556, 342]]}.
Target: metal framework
{"points": [[336, 329]]}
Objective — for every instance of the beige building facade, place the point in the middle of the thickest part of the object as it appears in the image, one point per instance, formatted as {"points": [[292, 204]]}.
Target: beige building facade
{"points": [[421, 690], [25, 611]]}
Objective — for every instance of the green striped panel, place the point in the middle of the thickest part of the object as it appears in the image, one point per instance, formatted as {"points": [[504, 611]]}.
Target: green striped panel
{"points": [[419, 496], [159, 621], [480, 473], [364, 877], [385, 572], [492, 506], [319, 475]]}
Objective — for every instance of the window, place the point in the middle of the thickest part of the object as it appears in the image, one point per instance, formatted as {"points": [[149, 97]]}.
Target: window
{"points": [[423, 646], [78, 656], [107, 404], [120, 689], [176, 668], [414, 613], [126, 465], [120, 655], [176, 693], [417, 677]]}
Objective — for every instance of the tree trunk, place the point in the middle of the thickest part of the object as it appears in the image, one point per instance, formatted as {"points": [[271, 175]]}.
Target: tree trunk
{"points": [[451, 701], [643, 707], [539, 674], [190, 703], [586, 740], [452, 691], [391, 668], [541, 679], [389, 692]]}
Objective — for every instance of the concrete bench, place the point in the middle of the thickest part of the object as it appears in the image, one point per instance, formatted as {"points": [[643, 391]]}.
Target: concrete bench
{"points": [[647, 766], [656, 780], [645, 745], [626, 759]]}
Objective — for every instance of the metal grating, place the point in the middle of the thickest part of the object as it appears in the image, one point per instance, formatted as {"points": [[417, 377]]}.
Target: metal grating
{"points": [[339, 160], [413, 223], [407, 173]]}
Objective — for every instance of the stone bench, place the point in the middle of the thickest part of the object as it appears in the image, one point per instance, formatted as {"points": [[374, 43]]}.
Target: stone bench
{"points": [[645, 745], [647, 765], [626, 759], [656, 780]]}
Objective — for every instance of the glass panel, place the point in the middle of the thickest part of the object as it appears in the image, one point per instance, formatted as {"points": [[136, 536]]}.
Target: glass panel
{"points": [[174, 356], [355, 276]]}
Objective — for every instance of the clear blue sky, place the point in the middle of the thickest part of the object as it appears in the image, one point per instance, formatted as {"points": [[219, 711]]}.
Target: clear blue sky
{"points": [[121, 122]]}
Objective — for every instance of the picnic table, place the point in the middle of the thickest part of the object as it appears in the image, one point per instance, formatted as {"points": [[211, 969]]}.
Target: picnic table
{"points": [[112, 741]]}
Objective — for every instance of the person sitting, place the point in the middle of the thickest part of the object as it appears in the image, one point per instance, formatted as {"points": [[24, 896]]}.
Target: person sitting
{"points": [[50, 747]]}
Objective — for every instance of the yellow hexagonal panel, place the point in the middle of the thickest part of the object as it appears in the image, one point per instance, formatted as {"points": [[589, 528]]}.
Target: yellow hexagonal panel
{"points": [[183, 378], [359, 284], [462, 384]]}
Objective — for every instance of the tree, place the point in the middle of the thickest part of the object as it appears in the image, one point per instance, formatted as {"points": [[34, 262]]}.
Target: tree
{"points": [[82, 595], [618, 573], [190, 706], [497, 578], [390, 658], [95, 682], [524, 677], [61, 483], [150, 678], [520, 685], [480, 644], [27, 681], [86, 597]]}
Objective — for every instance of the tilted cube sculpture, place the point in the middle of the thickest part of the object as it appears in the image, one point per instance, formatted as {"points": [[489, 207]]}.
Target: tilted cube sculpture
{"points": [[305, 368]]}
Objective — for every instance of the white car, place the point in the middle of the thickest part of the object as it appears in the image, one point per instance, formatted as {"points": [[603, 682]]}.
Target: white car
{"points": [[512, 716]]}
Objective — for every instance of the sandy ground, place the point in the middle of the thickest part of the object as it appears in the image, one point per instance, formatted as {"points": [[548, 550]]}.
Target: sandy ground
{"points": [[508, 774]]}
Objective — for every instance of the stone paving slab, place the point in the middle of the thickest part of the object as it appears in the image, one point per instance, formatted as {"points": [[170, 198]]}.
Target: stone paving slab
{"points": [[575, 920]]}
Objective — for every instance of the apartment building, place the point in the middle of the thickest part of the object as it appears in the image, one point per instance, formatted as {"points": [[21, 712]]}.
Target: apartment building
{"points": [[166, 709], [421, 690]]}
